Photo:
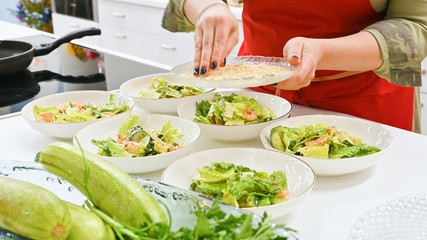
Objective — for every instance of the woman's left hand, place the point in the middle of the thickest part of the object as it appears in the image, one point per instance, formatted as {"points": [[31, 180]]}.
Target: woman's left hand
{"points": [[358, 52], [305, 53]]}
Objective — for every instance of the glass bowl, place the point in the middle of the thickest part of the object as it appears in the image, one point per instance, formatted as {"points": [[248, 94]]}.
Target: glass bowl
{"points": [[237, 83], [179, 201], [404, 218]]}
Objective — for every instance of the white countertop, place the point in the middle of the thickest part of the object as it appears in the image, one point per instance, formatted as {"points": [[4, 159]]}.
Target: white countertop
{"points": [[11, 31], [334, 204], [328, 212]]}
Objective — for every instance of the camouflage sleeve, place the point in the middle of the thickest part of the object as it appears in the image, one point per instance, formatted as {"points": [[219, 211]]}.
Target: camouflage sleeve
{"points": [[402, 37], [174, 19]]}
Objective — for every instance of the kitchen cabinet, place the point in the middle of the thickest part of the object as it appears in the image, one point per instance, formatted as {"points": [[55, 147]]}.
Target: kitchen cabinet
{"points": [[164, 50], [63, 24], [132, 36], [134, 27]]}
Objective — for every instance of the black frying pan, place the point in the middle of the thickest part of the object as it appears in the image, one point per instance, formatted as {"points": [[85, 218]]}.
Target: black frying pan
{"points": [[15, 56]]}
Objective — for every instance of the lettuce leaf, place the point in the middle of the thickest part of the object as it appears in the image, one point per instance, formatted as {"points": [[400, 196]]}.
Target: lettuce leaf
{"points": [[354, 151], [128, 125], [103, 148], [170, 134], [161, 88], [315, 151], [228, 110], [202, 108], [74, 115], [208, 174], [306, 140], [111, 106], [238, 185]]}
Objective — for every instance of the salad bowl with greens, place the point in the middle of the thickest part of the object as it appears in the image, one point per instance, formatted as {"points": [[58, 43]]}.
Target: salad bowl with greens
{"points": [[140, 143], [62, 115], [257, 180], [234, 116], [159, 93], [331, 145]]}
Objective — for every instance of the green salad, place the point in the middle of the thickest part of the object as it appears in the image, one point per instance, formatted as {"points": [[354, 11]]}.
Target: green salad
{"points": [[231, 110], [160, 88], [135, 141], [241, 186], [73, 112], [319, 141]]}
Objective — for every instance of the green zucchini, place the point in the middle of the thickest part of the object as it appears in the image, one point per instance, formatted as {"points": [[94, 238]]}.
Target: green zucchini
{"points": [[87, 225], [109, 188], [276, 139], [31, 211], [137, 133]]}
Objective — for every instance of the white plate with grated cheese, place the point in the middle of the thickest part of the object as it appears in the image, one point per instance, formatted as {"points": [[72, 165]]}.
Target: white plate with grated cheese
{"points": [[239, 72]]}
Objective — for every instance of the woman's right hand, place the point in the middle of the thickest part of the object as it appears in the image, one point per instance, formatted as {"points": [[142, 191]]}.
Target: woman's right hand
{"points": [[215, 36]]}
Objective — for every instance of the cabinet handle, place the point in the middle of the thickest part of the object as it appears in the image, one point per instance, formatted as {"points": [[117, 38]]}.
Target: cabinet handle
{"points": [[118, 35], [423, 71], [118, 15], [73, 25], [168, 47]]}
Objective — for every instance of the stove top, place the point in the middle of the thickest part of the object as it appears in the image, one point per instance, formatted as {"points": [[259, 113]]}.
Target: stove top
{"points": [[56, 72]]}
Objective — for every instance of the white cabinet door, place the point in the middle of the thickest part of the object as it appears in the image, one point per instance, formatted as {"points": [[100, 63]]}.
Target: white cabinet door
{"points": [[63, 24], [164, 50], [136, 29]]}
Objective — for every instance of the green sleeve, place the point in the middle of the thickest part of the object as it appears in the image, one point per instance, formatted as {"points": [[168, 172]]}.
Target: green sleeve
{"points": [[174, 19], [402, 37]]}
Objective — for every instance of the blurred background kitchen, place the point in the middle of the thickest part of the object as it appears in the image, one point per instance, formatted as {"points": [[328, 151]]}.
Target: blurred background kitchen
{"points": [[132, 43]]}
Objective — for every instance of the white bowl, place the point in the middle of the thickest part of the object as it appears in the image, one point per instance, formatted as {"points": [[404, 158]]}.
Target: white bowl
{"points": [[68, 130], [110, 128], [280, 106], [300, 176], [132, 87], [369, 132]]}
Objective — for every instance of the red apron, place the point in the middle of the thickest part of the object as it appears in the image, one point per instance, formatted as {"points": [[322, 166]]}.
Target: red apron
{"points": [[269, 25]]}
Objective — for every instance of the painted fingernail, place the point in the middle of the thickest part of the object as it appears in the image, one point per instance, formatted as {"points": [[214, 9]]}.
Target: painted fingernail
{"points": [[295, 56], [196, 71], [224, 61], [213, 65], [203, 70]]}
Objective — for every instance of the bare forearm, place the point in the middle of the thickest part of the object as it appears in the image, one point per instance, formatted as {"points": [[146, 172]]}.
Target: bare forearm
{"points": [[357, 52]]}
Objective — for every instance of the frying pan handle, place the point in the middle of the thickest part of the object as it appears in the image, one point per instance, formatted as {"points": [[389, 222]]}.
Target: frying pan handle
{"points": [[46, 75], [47, 48]]}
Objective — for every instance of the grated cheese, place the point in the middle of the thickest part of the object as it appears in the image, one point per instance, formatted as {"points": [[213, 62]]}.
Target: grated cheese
{"points": [[240, 71]]}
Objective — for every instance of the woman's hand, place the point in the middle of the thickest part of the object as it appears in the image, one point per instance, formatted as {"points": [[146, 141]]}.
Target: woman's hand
{"points": [[305, 53], [354, 53], [215, 36]]}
